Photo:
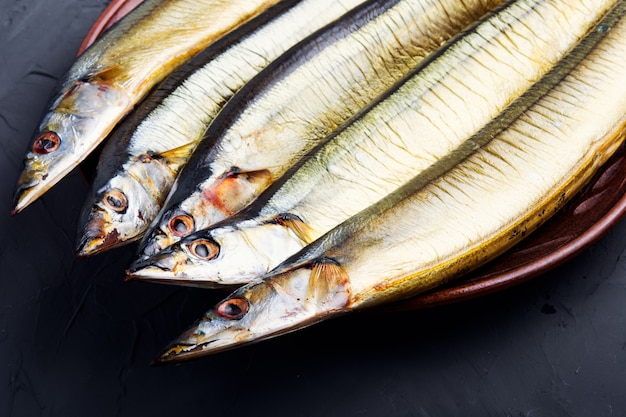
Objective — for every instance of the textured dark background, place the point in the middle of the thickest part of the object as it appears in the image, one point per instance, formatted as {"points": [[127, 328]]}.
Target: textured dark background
{"points": [[75, 340]]}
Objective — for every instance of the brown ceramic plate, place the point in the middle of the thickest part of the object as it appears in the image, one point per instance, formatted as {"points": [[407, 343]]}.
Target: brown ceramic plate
{"points": [[584, 220], [114, 12]]}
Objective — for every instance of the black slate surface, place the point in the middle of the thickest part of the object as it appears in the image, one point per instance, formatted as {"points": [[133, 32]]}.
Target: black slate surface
{"points": [[75, 340]]}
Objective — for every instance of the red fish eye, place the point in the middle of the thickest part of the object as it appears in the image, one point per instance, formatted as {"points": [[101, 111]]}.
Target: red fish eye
{"points": [[233, 308], [181, 225], [46, 143], [204, 249], [116, 200]]}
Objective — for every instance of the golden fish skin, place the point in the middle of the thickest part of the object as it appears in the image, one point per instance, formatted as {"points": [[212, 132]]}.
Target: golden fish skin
{"points": [[288, 109], [176, 123], [450, 218], [380, 150], [113, 74]]}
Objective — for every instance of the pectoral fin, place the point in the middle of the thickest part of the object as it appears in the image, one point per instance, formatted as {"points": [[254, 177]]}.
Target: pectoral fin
{"points": [[236, 189]]}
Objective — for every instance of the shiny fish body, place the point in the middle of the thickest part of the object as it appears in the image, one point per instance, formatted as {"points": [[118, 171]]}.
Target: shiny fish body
{"points": [[446, 221], [297, 101], [127, 194], [112, 75], [421, 121]]}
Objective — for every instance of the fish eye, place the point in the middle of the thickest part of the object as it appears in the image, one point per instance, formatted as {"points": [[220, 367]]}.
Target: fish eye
{"points": [[181, 225], [115, 200], [204, 249], [233, 308], [46, 143]]}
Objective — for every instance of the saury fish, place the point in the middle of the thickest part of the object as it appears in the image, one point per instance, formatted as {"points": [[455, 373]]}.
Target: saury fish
{"points": [[296, 101], [114, 73], [144, 154], [450, 218], [421, 120]]}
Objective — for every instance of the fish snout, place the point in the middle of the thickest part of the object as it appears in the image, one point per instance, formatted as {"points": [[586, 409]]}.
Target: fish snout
{"points": [[32, 181], [162, 262], [95, 236], [188, 345], [23, 191]]}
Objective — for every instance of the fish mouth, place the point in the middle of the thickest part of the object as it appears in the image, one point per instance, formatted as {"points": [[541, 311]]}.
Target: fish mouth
{"points": [[178, 352], [189, 345], [24, 195], [95, 237], [34, 181], [194, 344], [150, 270], [160, 267], [91, 245]]}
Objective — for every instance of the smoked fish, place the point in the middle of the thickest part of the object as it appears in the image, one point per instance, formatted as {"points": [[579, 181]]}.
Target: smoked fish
{"points": [[108, 79], [465, 209], [384, 147], [144, 154], [297, 101]]}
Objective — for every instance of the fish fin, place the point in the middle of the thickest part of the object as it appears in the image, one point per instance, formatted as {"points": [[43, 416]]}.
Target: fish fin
{"points": [[174, 158], [258, 180], [105, 74], [236, 189], [329, 284], [177, 157], [294, 223]]}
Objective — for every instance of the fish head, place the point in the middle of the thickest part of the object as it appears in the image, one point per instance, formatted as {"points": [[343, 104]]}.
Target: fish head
{"points": [[186, 262], [228, 254], [265, 308], [168, 228], [177, 221], [213, 200], [124, 207], [78, 121]]}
